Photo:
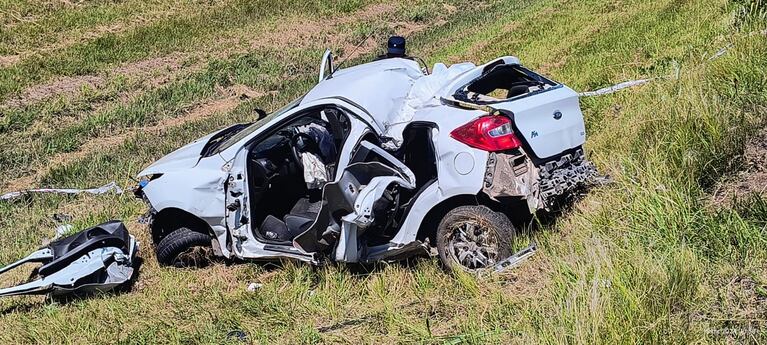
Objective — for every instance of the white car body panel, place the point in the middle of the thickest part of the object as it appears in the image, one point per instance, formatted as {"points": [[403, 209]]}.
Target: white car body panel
{"points": [[379, 87], [450, 182], [550, 121], [184, 158]]}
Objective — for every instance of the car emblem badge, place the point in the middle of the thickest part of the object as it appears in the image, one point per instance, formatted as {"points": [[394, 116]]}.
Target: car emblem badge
{"points": [[533, 134], [557, 115]]}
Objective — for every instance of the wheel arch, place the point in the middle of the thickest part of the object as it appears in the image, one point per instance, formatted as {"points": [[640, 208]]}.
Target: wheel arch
{"points": [[430, 222], [428, 227], [171, 218]]}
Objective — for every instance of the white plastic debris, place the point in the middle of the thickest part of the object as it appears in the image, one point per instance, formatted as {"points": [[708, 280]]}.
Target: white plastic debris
{"points": [[112, 186], [720, 52], [99, 258], [62, 230], [254, 286], [615, 88]]}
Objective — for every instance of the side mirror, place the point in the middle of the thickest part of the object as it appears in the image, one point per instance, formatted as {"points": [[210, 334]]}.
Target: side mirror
{"points": [[327, 60]]}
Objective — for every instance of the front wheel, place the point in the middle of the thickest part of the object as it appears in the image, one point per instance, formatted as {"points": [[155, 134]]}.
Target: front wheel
{"points": [[472, 238], [184, 248]]}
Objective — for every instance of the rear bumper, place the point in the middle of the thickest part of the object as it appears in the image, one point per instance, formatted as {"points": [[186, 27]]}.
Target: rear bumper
{"points": [[513, 177]]}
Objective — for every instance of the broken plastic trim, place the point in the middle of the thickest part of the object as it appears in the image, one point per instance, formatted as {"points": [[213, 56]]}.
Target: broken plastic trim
{"points": [[97, 259], [96, 191], [514, 260], [615, 88]]}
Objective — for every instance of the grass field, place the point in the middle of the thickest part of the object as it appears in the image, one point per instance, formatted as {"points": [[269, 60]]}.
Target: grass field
{"points": [[673, 252]]}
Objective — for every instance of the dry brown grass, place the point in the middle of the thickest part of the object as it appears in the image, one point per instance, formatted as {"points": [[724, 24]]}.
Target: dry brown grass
{"points": [[751, 178]]}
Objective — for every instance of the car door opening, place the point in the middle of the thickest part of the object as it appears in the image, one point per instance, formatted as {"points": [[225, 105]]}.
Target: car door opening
{"points": [[287, 170]]}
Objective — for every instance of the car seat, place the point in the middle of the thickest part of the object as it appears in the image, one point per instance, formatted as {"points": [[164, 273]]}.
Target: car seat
{"points": [[300, 217]]}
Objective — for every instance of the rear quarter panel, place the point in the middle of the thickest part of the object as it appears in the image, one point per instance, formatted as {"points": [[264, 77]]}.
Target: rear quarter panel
{"points": [[460, 168]]}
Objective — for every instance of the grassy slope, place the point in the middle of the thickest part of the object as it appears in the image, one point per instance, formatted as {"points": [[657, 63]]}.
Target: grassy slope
{"points": [[645, 260]]}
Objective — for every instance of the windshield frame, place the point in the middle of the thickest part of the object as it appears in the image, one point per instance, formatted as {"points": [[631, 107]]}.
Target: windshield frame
{"points": [[247, 131]]}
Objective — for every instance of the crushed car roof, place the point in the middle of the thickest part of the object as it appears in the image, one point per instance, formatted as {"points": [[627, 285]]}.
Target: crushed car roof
{"points": [[393, 89], [380, 87]]}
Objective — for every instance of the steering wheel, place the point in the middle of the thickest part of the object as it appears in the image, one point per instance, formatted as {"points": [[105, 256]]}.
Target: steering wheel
{"points": [[294, 144]]}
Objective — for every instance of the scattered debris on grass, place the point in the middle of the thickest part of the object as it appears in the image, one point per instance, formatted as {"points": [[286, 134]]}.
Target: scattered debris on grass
{"points": [[515, 260], [615, 88], [112, 186], [97, 259], [238, 335]]}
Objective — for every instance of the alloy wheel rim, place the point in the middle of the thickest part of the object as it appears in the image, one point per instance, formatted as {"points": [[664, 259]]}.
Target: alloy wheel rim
{"points": [[473, 245]]}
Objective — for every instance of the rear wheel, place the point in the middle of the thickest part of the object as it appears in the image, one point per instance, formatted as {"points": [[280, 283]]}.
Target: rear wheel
{"points": [[472, 238], [184, 248]]}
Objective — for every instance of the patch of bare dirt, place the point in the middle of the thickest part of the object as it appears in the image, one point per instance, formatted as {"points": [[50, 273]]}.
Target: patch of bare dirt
{"points": [[153, 72], [373, 11], [477, 48], [529, 278], [61, 87], [156, 71], [739, 302], [752, 179], [547, 67], [9, 60], [331, 34], [748, 295]]}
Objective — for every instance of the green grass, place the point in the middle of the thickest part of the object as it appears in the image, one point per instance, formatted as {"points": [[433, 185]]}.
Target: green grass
{"points": [[32, 27], [198, 26], [648, 259]]}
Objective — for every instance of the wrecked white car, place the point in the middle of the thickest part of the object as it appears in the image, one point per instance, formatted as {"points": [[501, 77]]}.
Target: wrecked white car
{"points": [[379, 161]]}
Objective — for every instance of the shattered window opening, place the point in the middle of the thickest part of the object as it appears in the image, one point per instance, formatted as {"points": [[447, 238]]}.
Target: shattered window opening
{"points": [[502, 83], [256, 125]]}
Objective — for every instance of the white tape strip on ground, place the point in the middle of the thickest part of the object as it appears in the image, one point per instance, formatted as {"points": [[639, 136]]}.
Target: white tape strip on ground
{"points": [[615, 88], [632, 83], [100, 190]]}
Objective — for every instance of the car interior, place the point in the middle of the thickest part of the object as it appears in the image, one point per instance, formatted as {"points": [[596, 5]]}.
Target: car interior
{"points": [[283, 204], [500, 82]]}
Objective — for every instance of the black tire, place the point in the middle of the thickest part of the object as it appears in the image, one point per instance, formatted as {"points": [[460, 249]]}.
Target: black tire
{"points": [[184, 248], [492, 237]]}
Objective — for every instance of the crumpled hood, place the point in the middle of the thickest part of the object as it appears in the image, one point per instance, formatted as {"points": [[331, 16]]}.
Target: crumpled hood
{"points": [[183, 158]]}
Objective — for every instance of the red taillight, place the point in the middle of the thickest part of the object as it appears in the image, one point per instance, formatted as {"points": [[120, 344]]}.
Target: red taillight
{"points": [[489, 133]]}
